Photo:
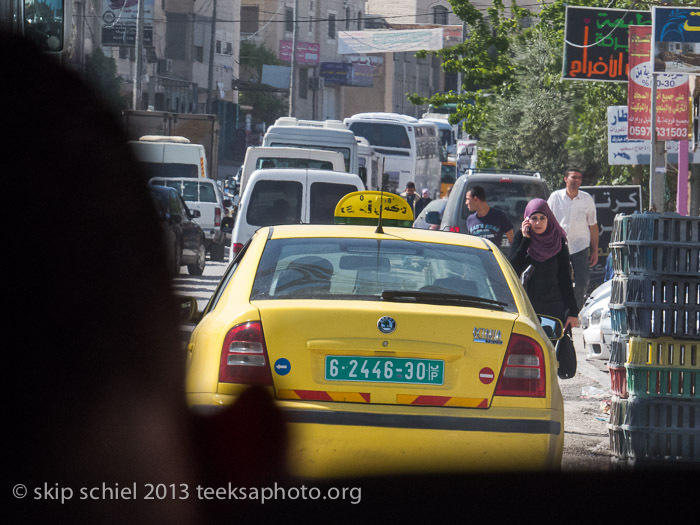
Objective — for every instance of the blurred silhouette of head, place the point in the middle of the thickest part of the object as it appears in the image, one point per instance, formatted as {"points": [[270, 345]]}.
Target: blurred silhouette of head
{"points": [[94, 357]]}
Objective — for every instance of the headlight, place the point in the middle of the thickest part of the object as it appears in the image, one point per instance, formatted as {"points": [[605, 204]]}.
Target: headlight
{"points": [[596, 315]]}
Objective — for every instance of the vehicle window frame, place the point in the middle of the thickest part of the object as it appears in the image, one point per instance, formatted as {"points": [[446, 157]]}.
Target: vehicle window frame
{"points": [[225, 279], [488, 277], [260, 186]]}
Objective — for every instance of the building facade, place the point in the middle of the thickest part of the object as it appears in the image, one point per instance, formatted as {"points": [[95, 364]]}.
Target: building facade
{"points": [[180, 57]]}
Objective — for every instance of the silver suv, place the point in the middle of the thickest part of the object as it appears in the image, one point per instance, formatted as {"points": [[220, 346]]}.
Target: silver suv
{"points": [[508, 191]]}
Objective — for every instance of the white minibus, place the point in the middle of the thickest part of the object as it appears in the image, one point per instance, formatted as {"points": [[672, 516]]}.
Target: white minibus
{"points": [[316, 134], [411, 148], [262, 157]]}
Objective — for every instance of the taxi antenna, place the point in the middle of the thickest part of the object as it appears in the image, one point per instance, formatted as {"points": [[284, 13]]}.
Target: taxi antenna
{"points": [[381, 201]]}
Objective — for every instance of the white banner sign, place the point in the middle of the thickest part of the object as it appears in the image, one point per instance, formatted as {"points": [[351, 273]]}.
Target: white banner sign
{"points": [[622, 150], [389, 41]]}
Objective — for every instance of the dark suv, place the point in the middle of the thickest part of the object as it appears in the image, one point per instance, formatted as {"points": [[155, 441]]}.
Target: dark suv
{"points": [[507, 191]]}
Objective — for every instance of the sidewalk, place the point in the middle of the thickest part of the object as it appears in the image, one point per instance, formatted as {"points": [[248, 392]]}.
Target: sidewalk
{"points": [[586, 441]]}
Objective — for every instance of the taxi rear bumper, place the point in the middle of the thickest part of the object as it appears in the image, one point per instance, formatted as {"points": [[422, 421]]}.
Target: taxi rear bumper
{"points": [[329, 443], [346, 440]]}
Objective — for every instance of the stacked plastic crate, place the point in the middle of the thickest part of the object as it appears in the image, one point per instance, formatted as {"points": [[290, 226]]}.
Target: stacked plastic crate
{"points": [[655, 311]]}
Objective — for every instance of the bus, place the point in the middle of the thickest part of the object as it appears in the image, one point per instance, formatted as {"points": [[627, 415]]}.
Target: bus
{"points": [[47, 23], [446, 132], [315, 134], [411, 148]]}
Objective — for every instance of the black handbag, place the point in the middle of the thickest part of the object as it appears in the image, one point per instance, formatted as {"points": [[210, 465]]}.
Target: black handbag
{"points": [[566, 355]]}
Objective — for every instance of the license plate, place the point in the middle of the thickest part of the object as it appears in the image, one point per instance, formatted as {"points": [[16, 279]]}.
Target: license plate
{"points": [[385, 370]]}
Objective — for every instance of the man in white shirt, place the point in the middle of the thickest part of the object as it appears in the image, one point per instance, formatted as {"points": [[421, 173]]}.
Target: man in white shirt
{"points": [[575, 211]]}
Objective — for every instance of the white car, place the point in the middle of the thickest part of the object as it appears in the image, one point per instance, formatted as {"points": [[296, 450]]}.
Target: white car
{"points": [[595, 322]]}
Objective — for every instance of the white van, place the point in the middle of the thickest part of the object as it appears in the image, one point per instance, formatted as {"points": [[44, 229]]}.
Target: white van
{"points": [[262, 157], [289, 196], [316, 134], [170, 156]]}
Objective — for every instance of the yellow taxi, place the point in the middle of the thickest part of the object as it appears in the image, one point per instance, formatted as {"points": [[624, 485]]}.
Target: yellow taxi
{"points": [[388, 349]]}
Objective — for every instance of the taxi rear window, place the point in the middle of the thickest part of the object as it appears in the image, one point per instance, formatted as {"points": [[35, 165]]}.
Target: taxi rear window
{"points": [[361, 269]]}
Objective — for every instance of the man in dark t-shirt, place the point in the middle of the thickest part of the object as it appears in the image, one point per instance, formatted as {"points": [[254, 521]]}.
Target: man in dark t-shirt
{"points": [[487, 222]]}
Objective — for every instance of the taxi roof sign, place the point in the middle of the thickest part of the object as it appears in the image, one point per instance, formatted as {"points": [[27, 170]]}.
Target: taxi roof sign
{"points": [[362, 207]]}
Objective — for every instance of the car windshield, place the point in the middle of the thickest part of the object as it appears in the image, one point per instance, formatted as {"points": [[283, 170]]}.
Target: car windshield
{"points": [[364, 269], [387, 135], [510, 197], [279, 162], [169, 169]]}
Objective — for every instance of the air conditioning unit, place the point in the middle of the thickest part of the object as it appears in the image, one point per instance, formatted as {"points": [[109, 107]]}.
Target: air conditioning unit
{"points": [[165, 65], [315, 82]]}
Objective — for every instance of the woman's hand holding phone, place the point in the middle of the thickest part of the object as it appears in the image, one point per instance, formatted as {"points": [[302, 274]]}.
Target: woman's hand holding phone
{"points": [[525, 228]]}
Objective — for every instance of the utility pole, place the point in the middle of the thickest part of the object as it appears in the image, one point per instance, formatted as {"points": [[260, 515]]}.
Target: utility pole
{"points": [[293, 70], [212, 46], [138, 67], [657, 164]]}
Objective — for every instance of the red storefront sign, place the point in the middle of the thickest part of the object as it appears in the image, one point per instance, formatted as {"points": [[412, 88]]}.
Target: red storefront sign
{"points": [[307, 52], [672, 97]]}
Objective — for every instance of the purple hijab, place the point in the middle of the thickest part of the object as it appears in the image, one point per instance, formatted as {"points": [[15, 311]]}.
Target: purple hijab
{"points": [[547, 244]]}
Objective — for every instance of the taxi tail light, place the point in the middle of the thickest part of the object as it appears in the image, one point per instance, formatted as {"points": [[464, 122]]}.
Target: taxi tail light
{"points": [[454, 229], [522, 373], [237, 247], [244, 356], [217, 217]]}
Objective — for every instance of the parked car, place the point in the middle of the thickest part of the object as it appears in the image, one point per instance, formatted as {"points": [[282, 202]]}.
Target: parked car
{"points": [[389, 351], [506, 191], [437, 206], [184, 238], [204, 196], [596, 324]]}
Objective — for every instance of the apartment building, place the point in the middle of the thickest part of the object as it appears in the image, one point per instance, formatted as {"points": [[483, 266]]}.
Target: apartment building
{"points": [[318, 91], [177, 48]]}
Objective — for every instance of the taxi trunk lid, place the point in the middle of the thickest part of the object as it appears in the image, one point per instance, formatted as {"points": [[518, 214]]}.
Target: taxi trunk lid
{"points": [[381, 352]]}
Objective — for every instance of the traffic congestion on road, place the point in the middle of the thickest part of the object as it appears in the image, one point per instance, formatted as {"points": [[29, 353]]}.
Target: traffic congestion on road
{"points": [[365, 320]]}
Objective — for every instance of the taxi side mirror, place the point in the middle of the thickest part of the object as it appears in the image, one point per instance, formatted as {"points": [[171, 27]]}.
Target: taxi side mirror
{"points": [[433, 217], [552, 327]]}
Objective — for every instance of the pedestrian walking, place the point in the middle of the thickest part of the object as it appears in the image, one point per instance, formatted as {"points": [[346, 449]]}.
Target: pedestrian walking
{"points": [[576, 213], [411, 196], [423, 201], [487, 222], [540, 253]]}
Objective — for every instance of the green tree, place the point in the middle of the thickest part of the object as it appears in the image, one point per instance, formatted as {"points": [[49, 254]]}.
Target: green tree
{"points": [[515, 100], [101, 74], [267, 105]]}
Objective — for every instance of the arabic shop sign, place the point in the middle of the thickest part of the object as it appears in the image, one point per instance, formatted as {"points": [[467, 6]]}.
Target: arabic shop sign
{"points": [[596, 42], [343, 74], [676, 32], [609, 201], [307, 52], [622, 150], [119, 22], [672, 95]]}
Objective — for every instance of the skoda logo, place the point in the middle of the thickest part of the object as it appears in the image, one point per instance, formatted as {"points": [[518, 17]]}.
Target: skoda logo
{"points": [[386, 325]]}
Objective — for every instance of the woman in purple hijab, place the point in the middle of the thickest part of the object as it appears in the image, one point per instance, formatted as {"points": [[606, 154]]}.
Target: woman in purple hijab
{"points": [[540, 252]]}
